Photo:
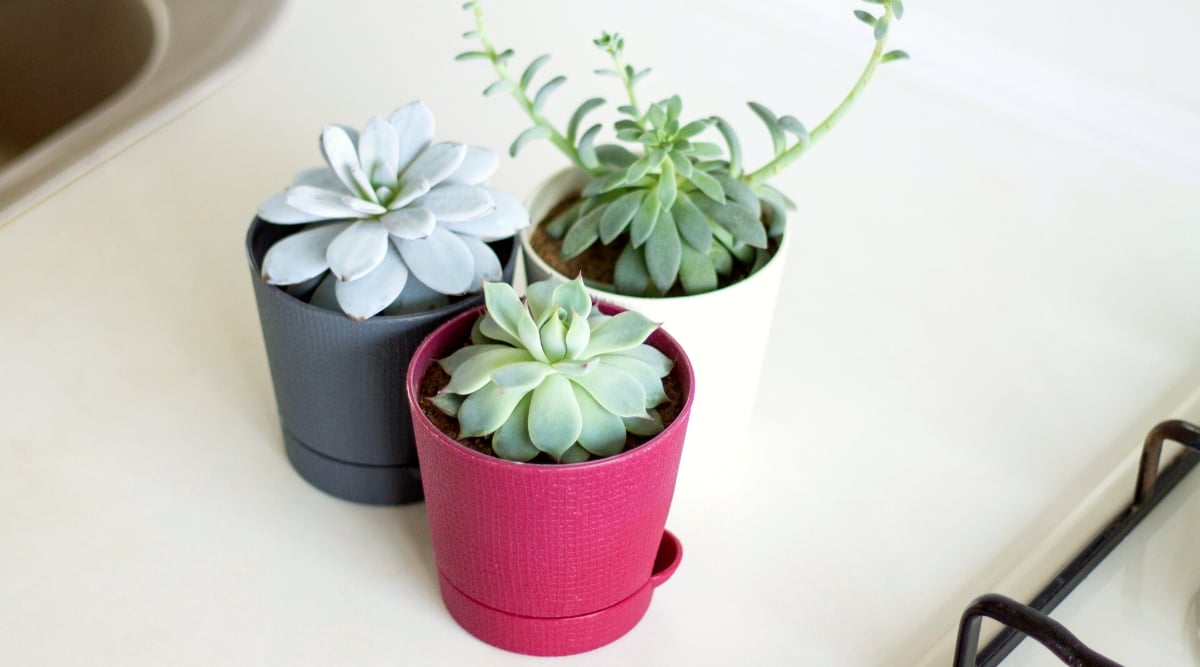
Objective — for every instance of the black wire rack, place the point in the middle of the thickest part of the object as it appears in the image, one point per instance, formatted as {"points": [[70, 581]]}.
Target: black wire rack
{"points": [[1032, 620]]}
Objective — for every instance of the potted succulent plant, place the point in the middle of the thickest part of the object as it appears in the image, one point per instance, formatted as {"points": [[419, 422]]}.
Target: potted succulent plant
{"points": [[550, 433], [353, 265], [663, 221]]}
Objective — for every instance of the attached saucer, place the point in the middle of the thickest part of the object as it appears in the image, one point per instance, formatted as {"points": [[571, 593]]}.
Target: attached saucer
{"points": [[561, 636], [367, 484]]}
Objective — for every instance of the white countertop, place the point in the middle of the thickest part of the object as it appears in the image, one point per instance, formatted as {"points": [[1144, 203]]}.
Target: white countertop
{"points": [[990, 300]]}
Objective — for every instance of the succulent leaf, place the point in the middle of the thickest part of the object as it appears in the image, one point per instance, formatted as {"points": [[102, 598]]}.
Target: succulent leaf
{"points": [[521, 376], [618, 214], [409, 223], [477, 166], [662, 252], [629, 273], [693, 227], [456, 202], [301, 256], [414, 126], [441, 261], [615, 390], [554, 417], [486, 410], [602, 433], [357, 250], [370, 294], [583, 233], [511, 441], [696, 271], [737, 220], [619, 332]]}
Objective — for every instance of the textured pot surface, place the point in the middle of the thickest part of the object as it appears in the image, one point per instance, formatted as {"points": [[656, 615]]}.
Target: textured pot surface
{"points": [[545, 541], [728, 360], [339, 384]]}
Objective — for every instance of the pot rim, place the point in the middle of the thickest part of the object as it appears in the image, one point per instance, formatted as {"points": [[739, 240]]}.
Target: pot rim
{"points": [[683, 366], [437, 313], [566, 178]]}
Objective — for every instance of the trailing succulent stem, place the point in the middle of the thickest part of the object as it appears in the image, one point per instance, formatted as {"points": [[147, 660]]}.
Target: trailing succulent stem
{"points": [[686, 214], [553, 375]]}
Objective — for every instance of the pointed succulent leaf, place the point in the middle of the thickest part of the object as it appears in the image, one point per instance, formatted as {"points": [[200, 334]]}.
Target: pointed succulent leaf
{"points": [[447, 403], [409, 223], [894, 55], [503, 306], [615, 156], [321, 204], [660, 363], [471, 55], [410, 189], [722, 259], [530, 337], [452, 363], [696, 271], [477, 166], [511, 441], [657, 115], [576, 118], [572, 296], [692, 225], [358, 250], [554, 418], [436, 163], [414, 127], [553, 336], [736, 219], [489, 330], [486, 264], [578, 335], [544, 93], [379, 151], [486, 410], [662, 253], [531, 134], [622, 331], [629, 273], [738, 192], [370, 294], [666, 188], [615, 390], [865, 16], [539, 297], [556, 227], [707, 185], [898, 8], [455, 202], [683, 166], [441, 261], [476, 371], [604, 184], [647, 426], [881, 28], [342, 156], [618, 214], [650, 380], [522, 376], [278, 211], [636, 171], [693, 128], [300, 256], [644, 220], [602, 432], [583, 233]]}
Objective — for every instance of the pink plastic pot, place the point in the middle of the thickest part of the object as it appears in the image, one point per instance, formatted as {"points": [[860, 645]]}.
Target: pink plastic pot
{"points": [[548, 559]]}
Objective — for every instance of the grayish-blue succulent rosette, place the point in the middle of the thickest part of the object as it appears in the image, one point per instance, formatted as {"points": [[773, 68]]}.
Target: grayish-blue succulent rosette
{"points": [[394, 223]]}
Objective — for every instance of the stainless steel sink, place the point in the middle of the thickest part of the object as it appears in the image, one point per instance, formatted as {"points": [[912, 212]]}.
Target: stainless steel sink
{"points": [[81, 79]]}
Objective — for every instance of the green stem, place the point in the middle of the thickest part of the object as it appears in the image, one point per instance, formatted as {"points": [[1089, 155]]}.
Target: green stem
{"points": [[784, 159], [519, 94]]}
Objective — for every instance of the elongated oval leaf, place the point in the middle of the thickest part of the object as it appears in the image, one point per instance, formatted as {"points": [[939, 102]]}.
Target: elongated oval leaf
{"points": [[587, 149], [644, 220], [472, 374], [554, 418], [692, 225], [708, 185], [511, 441], [618, 214], [735, 219], [498, 88], [583, 233], [696, 271], [531, 70], [544, 93], [667, 187], [793, 126], [768, 118], [582, 110], [622, 331], [531, 134], [615, 390], [662, 254], [503, 306], [629, 273], [603, 433], [486, 410]]}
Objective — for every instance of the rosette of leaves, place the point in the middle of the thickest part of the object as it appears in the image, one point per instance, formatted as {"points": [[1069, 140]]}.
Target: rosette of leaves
{"points": [[393, 223], [553, 375], [686, 214]]}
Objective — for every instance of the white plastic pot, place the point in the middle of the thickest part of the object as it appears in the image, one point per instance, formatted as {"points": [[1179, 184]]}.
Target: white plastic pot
{"points": [[725, 331]]}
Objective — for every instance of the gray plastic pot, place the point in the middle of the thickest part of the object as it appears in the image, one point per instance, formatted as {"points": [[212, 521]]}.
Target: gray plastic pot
{"points": [[339, 384]]}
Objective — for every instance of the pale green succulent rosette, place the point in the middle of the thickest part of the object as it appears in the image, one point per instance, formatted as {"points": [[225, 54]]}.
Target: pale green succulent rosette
{"points": [[399, 222], [554, 375]]}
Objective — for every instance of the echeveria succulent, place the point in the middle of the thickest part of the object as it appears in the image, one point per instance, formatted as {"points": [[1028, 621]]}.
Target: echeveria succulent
{"points": [[685, 213], [394, 217], [554, 375]]}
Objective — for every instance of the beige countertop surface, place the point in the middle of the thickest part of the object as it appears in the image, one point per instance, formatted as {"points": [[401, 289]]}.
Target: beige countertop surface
{"points": [[990, 298]]}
